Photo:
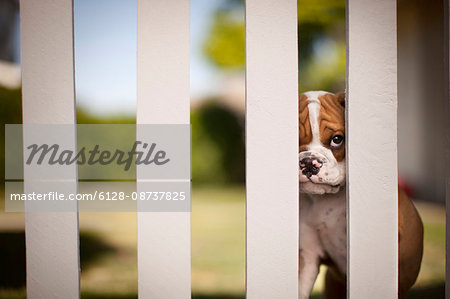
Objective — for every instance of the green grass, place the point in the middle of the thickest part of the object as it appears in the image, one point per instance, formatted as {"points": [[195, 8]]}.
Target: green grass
{"points": [[218, 241], [108, 249]]}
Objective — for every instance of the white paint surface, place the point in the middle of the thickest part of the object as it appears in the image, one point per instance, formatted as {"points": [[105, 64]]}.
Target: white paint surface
{"points": [[48, 98], [163, 98], [372, 149], [272, 148]]}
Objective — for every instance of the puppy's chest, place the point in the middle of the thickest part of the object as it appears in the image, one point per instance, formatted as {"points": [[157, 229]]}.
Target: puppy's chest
{"points": [[323, 227]]}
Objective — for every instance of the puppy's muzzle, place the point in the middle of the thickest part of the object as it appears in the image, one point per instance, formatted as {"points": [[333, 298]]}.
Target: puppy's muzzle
{"points": [[310, 166]]}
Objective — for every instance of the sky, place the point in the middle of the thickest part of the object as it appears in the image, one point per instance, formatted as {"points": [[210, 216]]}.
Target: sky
{"points": [[105, 54]]}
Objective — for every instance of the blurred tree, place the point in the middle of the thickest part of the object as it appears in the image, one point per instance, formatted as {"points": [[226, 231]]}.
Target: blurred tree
{"points": [[218, 148], [318, 21], [325, 69], [226, 44], [9, 13], [217, 137], [84, 117], [10, 113]]}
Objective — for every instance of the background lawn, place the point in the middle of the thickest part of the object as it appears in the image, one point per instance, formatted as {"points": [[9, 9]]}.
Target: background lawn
{"points": [[108, 250]]}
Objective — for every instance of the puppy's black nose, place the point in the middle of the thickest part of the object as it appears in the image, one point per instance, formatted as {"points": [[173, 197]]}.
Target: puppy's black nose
{"points": [[310, 166]]}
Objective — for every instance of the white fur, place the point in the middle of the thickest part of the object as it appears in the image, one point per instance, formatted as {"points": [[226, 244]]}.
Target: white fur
{"points": [[322, 208], [323, 233], [331, 177]]}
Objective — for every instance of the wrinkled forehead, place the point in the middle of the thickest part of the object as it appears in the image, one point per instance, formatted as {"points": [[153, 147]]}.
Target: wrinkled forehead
{"points": [[316, 98], [320, 114]]}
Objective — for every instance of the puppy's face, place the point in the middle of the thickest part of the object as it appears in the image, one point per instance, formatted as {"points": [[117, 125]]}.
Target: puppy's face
{"points": [[321, 142]]}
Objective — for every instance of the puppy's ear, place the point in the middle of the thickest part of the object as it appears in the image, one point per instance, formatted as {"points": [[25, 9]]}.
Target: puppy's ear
{"points": [[341, 98]]}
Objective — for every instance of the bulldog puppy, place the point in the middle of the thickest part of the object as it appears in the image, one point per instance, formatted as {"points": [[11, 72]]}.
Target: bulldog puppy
{"points": [[323, 224]]}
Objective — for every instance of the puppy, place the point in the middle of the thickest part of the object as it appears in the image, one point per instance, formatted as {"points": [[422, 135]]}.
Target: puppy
{"points": [[323, 224]]}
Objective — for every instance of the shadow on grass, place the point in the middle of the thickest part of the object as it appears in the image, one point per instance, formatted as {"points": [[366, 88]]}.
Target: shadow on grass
{"points": [[194, 296], [13, 263], [12, 259], [202, 296], [435, 291], [221, 296], [134, 296], [107, 296]]}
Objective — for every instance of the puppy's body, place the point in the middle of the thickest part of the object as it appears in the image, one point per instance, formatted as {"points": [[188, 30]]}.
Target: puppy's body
{"points": [[323, 224], [322, 236]]}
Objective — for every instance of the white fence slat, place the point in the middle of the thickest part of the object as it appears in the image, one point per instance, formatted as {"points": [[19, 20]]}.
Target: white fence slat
{"points": [[372, 148], [272, 148], [163, 98], [52, 240]]}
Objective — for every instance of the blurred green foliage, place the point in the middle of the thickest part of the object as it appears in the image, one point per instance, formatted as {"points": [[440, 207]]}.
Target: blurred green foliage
{"points": [[84, 117], [10, 113], [226, 44], [218, 150], [321, 42], [218, 146], [217, 137]]}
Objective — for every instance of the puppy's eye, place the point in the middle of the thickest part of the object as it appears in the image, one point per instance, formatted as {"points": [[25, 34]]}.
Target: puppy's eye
{"points": [[336, 142]]}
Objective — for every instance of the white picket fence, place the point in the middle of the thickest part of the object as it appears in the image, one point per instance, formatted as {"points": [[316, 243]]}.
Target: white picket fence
{"points": [[53, 269]]}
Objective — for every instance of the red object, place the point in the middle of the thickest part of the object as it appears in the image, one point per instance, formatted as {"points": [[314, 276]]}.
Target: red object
{"points": [[408, 188]]}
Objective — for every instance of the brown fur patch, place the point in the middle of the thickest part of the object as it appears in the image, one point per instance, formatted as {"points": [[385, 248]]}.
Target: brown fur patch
{"points": [[332, 122], [304, 127], [410, 247]]}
